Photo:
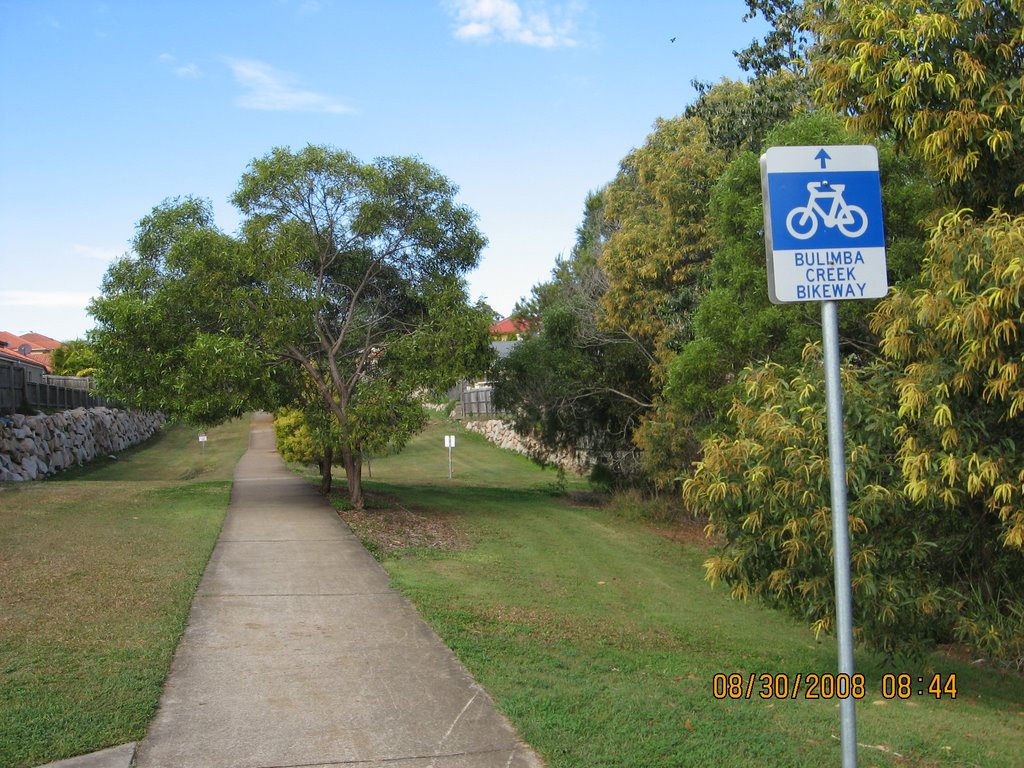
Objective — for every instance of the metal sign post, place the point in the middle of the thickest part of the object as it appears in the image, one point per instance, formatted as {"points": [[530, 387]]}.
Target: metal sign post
{"points": [[825, 242], [840, 526]]}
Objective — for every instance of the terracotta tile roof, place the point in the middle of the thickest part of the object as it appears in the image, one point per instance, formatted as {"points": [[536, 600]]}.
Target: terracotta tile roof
{"points": [[508, 326], [25, 349], [44, 358], [41, 342], [15, 343]]}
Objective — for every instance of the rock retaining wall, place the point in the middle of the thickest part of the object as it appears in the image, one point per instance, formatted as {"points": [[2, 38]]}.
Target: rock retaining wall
{"points": [[502, 435], [32, 447]]}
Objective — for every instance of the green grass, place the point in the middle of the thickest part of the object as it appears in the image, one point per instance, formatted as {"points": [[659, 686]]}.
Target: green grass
{"points": [[599, 637], [99, 566]]}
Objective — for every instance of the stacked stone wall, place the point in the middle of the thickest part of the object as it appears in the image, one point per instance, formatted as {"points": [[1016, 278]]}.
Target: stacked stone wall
{"points": [[502, 435], [32, 447]]}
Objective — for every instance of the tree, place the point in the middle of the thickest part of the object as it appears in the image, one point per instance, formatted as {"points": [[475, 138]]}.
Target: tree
{"points": [[942, 76], [375, 251], [347, 279], [660, 241], [75, 358], [734, 324], [572, 389], [934, 472], [784, 48], [739, 115], [764, 483], [307, 434], [176, 321], [574, 384], [735, 118], [956, 341]]}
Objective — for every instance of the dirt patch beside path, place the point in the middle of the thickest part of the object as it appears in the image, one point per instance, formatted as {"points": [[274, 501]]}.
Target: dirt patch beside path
{"points": [[388, 527]]}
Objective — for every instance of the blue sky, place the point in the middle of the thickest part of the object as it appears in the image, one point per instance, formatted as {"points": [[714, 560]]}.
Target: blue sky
{"points": [[108, 108]]}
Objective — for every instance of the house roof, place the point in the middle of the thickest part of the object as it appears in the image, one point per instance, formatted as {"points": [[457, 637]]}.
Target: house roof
{"points": [[23, 349], [15, 343], [41, 342], [509, 325]]}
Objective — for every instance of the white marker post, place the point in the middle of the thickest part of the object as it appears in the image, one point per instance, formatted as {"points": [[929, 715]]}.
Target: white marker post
{"points": [[825, 242], [202, 440], [449, 443]]}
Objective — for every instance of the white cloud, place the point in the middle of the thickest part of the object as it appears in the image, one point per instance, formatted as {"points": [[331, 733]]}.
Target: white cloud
{"points": [[540, 25], [268, 89], [190, 70], [48, 299]]}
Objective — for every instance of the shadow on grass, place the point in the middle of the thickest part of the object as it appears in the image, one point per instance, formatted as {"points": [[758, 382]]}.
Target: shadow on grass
{"points": [[173, 454], [102, 467]]}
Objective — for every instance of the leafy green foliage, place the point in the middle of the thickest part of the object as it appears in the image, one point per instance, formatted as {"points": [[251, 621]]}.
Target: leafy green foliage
{"points": [[639, 272], [669, 443], [571, 392], [660, 239], [574, 384], [451, 340], [765, 487], [307, 433], [344, 293], [169, 324], [294, 441], [784, 48], [735, 324], [739, 115], [961, 395], [945, 77], [923, 572], [960, 400], [692, 361], [934, 475], [75, 358]]}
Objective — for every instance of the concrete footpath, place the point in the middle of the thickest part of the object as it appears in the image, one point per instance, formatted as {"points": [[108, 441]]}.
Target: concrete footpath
{"points": [[299, 653]]}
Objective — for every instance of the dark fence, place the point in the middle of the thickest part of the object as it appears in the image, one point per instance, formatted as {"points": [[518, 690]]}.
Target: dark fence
{"points": [[19, 393]]}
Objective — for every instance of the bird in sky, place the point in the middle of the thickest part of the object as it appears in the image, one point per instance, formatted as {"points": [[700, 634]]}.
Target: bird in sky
{"points": [[672, 40]]}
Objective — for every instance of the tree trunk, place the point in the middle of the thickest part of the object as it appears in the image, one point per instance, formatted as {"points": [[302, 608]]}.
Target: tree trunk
{"points": [[354, 475], [326, 476]]}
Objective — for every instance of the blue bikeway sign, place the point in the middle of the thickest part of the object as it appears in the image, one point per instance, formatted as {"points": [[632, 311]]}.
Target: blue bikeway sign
{"points": [[823, 223]]}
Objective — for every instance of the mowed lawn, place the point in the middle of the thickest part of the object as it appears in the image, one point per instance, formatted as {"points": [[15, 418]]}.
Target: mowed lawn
{"points": [[600, 639], [98, 568], [595, 633]]}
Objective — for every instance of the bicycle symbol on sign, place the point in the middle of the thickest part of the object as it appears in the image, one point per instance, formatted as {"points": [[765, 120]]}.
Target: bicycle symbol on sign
{"points": [[802, 221]]}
